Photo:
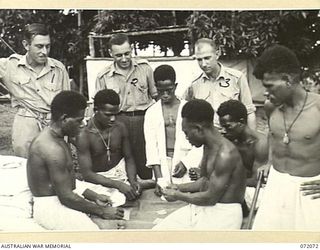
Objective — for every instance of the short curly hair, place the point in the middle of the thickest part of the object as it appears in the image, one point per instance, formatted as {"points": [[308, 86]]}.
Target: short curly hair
{"points": [[164, 72], [235, 109], [198, 111], [106, 96], [277, 59]]}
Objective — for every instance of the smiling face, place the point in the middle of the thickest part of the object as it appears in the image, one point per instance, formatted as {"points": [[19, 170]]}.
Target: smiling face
{"points": [[207, 58], [192, 132], [277, 89], [106, 115], [166, 90], [122, 55], [38, 49]]}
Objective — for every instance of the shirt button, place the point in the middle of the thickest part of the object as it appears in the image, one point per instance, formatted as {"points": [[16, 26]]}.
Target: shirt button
{"points": [[38, 90]]}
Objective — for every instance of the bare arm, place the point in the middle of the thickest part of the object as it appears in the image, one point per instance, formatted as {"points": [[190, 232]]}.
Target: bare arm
{"points": [[62, 182], [216, 186], [126, 150], [261, 153]]}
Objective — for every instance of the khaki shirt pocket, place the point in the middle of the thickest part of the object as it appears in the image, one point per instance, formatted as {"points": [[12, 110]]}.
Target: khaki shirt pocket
{"points": [[142, 94]]}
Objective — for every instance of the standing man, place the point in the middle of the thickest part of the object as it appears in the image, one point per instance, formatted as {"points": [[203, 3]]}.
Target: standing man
{"points": [[60, 204], [32, 80], [215, 199], [166, 144], [218, 83], [287, 203], [132, 80]]}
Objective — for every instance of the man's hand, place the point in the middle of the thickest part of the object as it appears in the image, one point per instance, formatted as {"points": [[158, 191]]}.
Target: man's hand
{"points": [[179, 170], [265, 170], [169, 194], [103, 200], [194, 174], [137, 187], [128, 191], [311, 188], [158, 190], [112, 213]]}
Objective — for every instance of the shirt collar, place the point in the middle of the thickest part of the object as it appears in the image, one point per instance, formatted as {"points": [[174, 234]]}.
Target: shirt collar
{"points": [[222, 73], [23, 61], [113, 69]]}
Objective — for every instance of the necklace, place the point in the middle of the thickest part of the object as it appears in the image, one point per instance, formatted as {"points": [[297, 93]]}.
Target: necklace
{"points": [[106, 144], [286, 139]]}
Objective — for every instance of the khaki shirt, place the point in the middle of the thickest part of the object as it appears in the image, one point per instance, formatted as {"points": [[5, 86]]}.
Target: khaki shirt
{"points": [[135, 90], [230, 84], [29, 89]]}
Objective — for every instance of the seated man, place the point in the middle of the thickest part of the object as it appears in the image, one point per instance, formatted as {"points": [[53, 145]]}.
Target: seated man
{"points": [[104, 152], [215, 199], [165, 142], [58, 205], [253, 146]]}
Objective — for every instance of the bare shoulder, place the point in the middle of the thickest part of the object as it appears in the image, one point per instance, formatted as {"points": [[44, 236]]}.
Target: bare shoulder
{"points": [[121, 127], [48, 149], [228, 156]]}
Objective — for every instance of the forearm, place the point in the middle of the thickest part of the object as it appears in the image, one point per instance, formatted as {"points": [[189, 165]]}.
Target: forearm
{"points": [[78, 203], [131, 171], [101, 180], [191, 186], [252, 121], [198, 198]]}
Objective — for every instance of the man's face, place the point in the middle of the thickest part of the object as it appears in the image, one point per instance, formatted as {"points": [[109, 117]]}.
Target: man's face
{"points": [[230, 129], [38, 49], [277, 89], [73, 125], [207, 58], [166, 90], [192, 133], [121, 55], [106, 114]]}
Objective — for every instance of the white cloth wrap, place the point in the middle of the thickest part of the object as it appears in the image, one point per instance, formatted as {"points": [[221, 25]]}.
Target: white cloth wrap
{"points": [[222, 216], [284, 207]]}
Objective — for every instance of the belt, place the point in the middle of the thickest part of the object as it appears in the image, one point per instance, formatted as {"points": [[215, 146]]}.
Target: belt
{"points": [[133, 113]]}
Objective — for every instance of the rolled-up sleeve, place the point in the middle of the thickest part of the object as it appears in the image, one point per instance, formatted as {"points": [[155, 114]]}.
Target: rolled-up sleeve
{"points": [[3, 68], [245, 94]]}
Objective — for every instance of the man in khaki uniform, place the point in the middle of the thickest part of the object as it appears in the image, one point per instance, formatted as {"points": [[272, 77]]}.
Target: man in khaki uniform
{"points": [[132, 79], [218, 83], [32, 80]]}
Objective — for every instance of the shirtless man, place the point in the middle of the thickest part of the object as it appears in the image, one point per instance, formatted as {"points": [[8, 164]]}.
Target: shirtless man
{"points": [[215, 199], [103, 144], [295, 145], [58, 205], [253, 146]]}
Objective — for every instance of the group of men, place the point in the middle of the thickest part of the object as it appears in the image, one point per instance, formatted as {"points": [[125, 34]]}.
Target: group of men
{"points": [[202, 149]]}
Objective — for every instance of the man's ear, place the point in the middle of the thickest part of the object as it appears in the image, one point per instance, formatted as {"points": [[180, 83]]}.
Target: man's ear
{"points": [[110, 52], [25, 44], [63, 118], [287, 78], [218, 53], [198, 127]]}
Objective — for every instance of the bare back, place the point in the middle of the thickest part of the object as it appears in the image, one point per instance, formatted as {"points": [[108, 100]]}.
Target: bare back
{"points": [[222, 166], [47, 152], [300, 157]]}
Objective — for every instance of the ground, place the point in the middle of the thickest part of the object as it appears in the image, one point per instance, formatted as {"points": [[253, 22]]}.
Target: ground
{"points": [[7, 115]]}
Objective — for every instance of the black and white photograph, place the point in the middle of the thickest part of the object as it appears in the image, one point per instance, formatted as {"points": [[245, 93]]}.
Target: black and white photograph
{"points": [[159, 120]]}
